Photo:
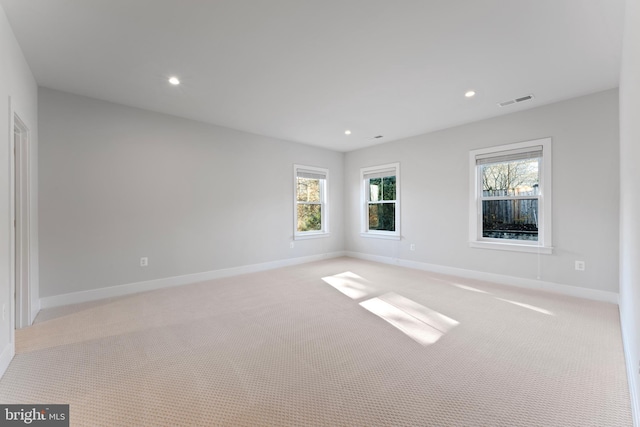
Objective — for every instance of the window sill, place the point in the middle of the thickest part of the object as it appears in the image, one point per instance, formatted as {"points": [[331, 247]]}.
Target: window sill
{"points": [[380, 236], [514, 247], [311, 235]]}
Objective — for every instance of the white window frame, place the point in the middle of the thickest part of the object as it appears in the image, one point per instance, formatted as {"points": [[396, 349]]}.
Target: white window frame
{"points": [[364, 202], [324, 204], [544, 243]]}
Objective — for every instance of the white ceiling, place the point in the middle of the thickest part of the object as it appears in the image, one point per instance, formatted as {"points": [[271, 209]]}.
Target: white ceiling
{"points": [[306, 70]]}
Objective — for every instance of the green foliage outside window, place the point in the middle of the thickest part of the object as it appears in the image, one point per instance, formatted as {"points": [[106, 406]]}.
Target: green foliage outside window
{"points": [[308, 194], [309, 218], [382, 207]]}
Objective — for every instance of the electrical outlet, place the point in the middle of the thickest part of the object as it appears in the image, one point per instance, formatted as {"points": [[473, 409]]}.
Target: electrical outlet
{"points": [[412, 247], [580, 265], [144, 261], [291, 245]]}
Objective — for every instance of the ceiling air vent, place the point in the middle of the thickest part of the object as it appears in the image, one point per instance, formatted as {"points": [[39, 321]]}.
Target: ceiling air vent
{"points": [[516, 101]]}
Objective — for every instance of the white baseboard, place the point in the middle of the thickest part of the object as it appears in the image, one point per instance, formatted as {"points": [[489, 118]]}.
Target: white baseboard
{"points": [[148, 285], [35, 309], [632, 377], [6, 356], [130, 288], [574, 291]]}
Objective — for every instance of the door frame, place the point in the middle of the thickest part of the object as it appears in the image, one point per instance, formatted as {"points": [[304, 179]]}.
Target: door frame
{"points": [[20, 222]]}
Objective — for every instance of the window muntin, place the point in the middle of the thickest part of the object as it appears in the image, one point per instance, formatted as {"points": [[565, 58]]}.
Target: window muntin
{"points": [[381, 202], [310, 201], [511, 196]]}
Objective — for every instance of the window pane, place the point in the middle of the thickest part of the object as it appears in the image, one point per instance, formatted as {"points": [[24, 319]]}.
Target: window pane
{"points": [[389, 188], [309, 217], [382, 216], [510, 219], [516, 178], [308, 190], [382, 189], [375, 189]]}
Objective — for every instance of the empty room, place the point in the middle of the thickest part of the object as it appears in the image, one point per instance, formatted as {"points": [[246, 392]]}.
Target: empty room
{"points": [[320, 213]]}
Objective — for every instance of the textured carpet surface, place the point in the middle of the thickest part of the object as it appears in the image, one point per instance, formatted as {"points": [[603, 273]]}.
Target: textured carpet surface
{"points": [[337, 342]]}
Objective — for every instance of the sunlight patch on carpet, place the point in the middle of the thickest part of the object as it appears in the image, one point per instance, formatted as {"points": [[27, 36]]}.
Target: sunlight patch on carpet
{"points": [[420, 323], [350, 284], [469, 288], [529, 306]]}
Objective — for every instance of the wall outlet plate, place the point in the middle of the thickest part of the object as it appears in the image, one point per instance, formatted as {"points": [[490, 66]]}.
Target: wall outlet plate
{"points": [[580, 265], [144, 261]]}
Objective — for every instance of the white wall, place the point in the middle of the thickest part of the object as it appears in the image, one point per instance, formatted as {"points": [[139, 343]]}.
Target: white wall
{"points": [[118, 183], [435, 194], [16, 83], [630, 198]]}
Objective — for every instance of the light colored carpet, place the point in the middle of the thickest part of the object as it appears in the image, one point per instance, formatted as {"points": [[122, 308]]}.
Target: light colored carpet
{"points": [[337, 342]]}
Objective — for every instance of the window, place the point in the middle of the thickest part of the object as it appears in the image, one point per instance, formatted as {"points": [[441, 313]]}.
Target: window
{"points": [[381, 201], [310, 202], [510, 203]]}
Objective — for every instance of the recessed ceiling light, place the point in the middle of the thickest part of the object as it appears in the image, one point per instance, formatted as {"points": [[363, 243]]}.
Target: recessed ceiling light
{"points": [[174, 81], [347, 132], [470, 93]]}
